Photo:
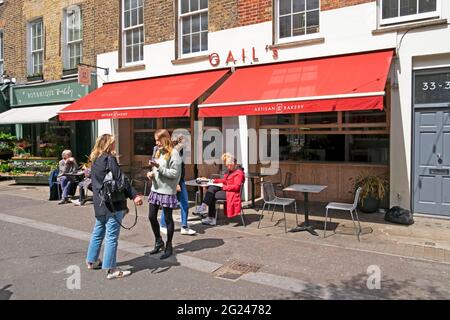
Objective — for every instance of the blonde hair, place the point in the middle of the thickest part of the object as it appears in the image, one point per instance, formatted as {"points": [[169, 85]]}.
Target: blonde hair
{"points": [[228, 158], [164, 137], [103, 145]]}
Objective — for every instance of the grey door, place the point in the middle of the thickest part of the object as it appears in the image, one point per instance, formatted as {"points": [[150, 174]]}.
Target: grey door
{"points": [[432, 162]]}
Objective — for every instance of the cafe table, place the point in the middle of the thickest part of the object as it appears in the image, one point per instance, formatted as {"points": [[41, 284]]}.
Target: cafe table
{"points": [[200, 185], [306, 189]]}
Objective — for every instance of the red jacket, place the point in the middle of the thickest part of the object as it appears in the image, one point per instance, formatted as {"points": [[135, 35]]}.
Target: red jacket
{"points": [[232, 186]]}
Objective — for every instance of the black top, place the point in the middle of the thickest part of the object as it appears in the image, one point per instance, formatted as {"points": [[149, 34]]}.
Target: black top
{"points": [[98, 173]]}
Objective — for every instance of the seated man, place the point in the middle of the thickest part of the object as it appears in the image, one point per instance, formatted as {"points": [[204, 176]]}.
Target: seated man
{"points": [[83, 186], [66, 165], [230, 191]]}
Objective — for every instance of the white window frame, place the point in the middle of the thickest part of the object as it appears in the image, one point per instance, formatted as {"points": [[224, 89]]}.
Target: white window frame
{"points": [[32, 51], [2, 45], [279, 40], [66, 31], [180, 31], [124, 39], [408, 18]]}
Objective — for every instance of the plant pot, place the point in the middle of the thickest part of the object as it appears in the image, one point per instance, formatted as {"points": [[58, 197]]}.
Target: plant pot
{"points": [[371, 205]]}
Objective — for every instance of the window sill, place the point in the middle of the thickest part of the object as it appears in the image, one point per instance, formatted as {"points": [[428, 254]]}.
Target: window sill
{"points": [[203, 57], [138, 67], [35, 79], [301, 43], [404, 27]]}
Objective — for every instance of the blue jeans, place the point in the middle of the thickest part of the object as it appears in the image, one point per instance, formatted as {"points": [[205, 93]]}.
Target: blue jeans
{"points": [[184, 204], [65, 186], [105, 225]]}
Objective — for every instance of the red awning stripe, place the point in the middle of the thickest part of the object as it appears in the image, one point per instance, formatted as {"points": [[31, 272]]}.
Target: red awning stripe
{"points": [[130, 108], [336, 83], [125, 114], [315, 98], [157, 97], [363, 103]]}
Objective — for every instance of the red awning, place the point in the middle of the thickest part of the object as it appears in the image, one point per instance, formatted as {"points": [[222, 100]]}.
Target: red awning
{"points": [[341, 83], [169, 96]]}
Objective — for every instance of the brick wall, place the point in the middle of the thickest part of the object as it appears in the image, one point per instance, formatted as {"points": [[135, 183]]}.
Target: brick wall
{"points": [[335, 4], [254, 11], [159, 17], [100, 33], [14, 39]]}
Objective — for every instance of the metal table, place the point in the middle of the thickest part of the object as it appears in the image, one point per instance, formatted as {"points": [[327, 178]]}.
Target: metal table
{"points": [[252, 176], [306, 189]]}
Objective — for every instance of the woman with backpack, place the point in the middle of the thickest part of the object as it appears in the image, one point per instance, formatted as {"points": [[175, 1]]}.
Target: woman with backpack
{"points": [[165, 176], [108, 216]]}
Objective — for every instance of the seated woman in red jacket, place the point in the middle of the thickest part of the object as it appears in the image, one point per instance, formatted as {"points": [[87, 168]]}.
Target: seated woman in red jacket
{"points": [[230, 191]]}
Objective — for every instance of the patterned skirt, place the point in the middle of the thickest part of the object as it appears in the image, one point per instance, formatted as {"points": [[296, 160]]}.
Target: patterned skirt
{"points": [[163, 200]]}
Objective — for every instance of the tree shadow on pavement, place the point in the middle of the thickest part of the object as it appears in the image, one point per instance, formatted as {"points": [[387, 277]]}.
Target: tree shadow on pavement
{"points": [[6, 294], [357, 288]]}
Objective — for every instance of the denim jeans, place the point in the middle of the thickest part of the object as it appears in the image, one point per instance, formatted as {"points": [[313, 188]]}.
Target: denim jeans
{"points": [[65, 186], [184, 204], [109, 227]]}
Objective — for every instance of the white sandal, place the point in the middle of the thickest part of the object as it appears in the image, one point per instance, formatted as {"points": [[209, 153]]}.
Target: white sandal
{"points": [[117, 273]]}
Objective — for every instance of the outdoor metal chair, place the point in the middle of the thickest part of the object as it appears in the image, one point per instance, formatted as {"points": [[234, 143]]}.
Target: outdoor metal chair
{"points": [[283, 184], [345, 207], [223, 202], [270, 198]]}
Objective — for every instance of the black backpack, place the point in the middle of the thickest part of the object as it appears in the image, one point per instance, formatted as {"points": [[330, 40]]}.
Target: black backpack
{"points": [[399, 215]]}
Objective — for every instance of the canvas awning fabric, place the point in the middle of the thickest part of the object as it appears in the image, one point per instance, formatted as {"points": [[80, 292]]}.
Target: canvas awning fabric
{"points": [[339, 83], [35, 114], [167, 96]]}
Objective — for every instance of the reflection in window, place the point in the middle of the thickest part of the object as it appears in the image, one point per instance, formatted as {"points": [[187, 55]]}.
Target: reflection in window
{"points": [[144, 143], [194, 26], [298, 17], [400, 8], [278, 119], [177, 123], [144, 123]]}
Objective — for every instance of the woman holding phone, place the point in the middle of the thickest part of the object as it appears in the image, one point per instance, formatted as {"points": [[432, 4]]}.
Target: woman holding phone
{"points": [[165, 176]]}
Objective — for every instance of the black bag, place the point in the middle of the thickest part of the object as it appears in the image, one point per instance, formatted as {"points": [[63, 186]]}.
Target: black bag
{"points": [[115, 191], [399, 215], [112, 190]]}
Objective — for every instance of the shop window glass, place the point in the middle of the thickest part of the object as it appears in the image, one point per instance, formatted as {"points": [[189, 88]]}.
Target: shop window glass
{"points": [[278, 119], [318, 118], [368, 148], [212, 122], [144, 143], [364, 117], [177, 123], [144, 123]]}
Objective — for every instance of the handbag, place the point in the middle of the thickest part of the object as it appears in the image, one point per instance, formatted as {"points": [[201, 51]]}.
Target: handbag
{"points": [[114, 191]]}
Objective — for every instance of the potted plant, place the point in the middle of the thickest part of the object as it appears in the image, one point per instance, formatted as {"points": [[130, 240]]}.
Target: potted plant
{"points": [[6, 145], [374, 188]]}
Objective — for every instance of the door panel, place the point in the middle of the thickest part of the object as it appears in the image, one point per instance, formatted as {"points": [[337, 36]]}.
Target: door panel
{"points": [[427, 187], [431, 158]]}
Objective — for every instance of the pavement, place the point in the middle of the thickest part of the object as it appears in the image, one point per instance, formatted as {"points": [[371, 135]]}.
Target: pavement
{"points": [[227, 261]]}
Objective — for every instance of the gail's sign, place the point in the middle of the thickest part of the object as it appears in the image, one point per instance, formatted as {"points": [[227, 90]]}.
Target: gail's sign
{"points": [[243, 56]]}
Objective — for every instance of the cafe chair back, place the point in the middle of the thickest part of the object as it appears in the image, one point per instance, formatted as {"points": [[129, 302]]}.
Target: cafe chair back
{"points": [[350, 207], [270, 198]]}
